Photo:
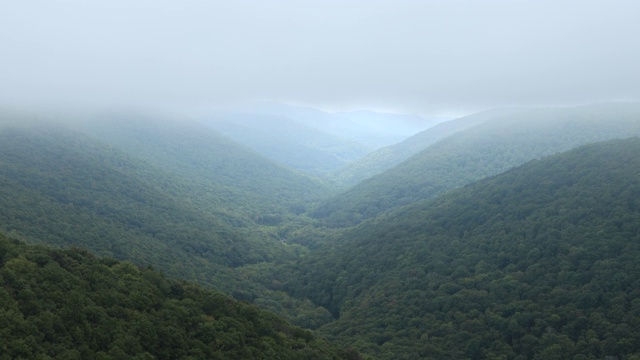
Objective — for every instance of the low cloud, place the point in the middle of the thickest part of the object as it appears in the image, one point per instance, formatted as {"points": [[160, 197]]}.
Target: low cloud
{"points": [[413, 56]]}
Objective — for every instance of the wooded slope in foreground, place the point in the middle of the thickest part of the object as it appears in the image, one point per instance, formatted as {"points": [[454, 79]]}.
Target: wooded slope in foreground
{"points": [[538, 263], [69, 304]]}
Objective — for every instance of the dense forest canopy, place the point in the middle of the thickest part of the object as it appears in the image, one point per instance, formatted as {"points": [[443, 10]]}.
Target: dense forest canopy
{"points": [[69, 304], [186, 147], [495, 145], [536, 263], [421, 261], [404, 179]]}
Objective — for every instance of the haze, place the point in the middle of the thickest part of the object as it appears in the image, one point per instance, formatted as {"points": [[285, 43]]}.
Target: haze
{"points": [[424, 57]]}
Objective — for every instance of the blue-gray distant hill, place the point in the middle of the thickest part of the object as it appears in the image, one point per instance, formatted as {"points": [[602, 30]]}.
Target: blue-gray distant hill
{"points": [[487, 149], [289, 142], [241, 178], [168, 193], [380, 128], [371, 129], [387, 157]]}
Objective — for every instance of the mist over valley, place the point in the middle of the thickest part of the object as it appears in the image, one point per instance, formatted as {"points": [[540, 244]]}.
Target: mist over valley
{"points": [[319, 180]]}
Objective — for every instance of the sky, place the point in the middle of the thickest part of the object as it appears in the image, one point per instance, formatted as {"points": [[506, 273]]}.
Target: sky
{"points": [[428, 57]]}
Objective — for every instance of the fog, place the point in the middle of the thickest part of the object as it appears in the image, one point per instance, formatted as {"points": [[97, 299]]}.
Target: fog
{"points": [[429, 57]]}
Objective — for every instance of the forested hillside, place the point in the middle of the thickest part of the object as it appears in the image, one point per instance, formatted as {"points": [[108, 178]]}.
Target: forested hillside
{"points": [[483, 150], [320, 180], [242, 180], [64, 188], [69, 304], [78, 191], [387, 157], [289, 142], [536, 263]]}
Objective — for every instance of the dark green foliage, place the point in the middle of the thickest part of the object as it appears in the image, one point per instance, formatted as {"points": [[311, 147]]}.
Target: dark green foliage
{"points": [[484, 150], [537, 263], [62, 304]]}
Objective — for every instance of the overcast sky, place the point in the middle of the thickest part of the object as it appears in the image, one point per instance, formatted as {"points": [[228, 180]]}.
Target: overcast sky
{"points": [[426, 57]]}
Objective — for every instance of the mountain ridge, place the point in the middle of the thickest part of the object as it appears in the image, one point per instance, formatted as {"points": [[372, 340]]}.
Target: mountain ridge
{"points": [[71, 304], [287, 141], [385, 158], [534, 263], [477, 152]]}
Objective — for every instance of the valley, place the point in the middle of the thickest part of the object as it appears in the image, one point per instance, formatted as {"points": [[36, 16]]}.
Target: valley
{"points": [[505, 234]]}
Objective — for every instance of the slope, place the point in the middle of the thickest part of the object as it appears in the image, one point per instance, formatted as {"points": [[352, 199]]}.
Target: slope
{"points": [[288, 142], [390, 156], [63, 188], [536, 263], [369, 128], [380, 128], [483, 150], [70, 304], [242, 179]]}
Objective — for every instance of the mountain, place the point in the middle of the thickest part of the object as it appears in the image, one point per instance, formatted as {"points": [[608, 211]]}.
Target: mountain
{"points": [[289, 142], [70, 304], [480, 151], [369, 128], [387, 157], [243, 179], [380, 128], [537, 263], [60, 187]]}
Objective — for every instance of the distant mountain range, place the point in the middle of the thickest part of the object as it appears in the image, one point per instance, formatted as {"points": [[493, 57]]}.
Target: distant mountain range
{"points": [[313, 141], [496, 144], [370, 128], [169, 193], [387, 157], [190, 149], [506, 234], [289, 142]]}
